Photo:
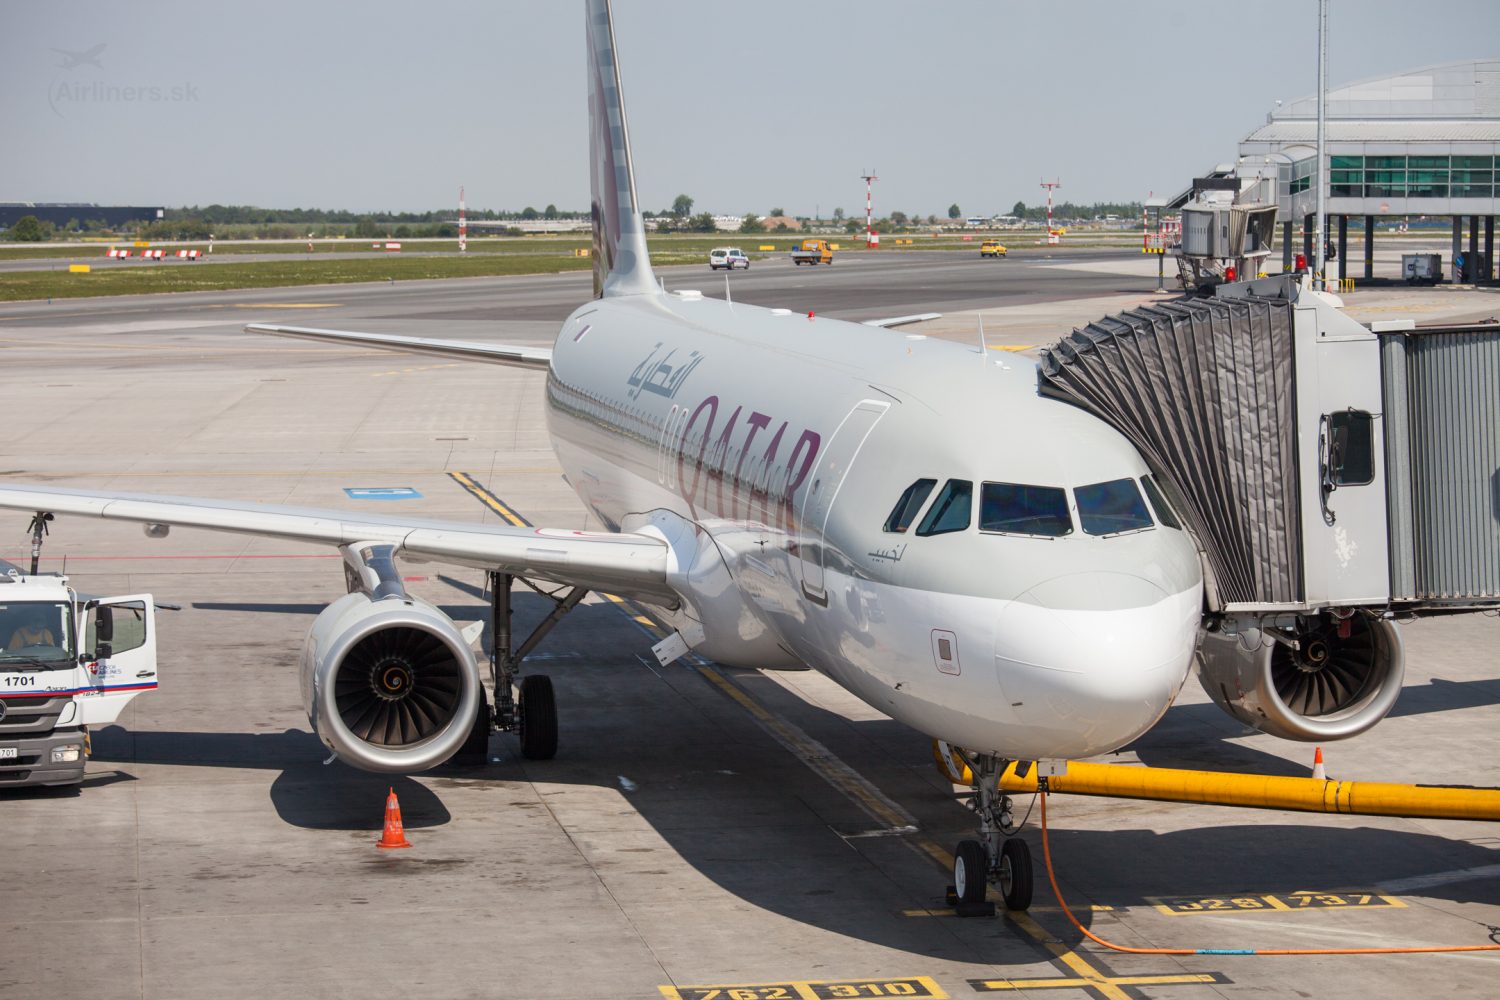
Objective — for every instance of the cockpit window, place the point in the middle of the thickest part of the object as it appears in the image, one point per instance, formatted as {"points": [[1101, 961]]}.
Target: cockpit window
{"points": [[1164, 512], [1024, 510], [1112, 507], [951, 510], [910, 503]]}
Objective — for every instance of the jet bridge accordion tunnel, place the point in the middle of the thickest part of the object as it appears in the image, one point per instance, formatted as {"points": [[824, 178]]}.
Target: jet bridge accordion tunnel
{"points": [[1335, 478]]}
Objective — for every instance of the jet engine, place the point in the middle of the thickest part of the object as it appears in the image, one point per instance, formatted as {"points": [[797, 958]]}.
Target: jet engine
{"points": [[1326, 679], [390, 684]]}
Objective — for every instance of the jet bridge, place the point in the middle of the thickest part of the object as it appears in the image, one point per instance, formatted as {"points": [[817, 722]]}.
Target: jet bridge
{"points": [[1334, 477]]}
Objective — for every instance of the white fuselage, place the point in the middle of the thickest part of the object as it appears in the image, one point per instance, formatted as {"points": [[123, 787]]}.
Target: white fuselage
{"points": [[769, 449]]}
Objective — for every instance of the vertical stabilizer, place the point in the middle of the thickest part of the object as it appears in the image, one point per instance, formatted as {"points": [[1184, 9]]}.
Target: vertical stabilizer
{"points": [[621, 263]]}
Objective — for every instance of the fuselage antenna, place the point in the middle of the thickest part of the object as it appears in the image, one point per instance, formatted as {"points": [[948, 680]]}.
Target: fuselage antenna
{"points": [[984, 350]]}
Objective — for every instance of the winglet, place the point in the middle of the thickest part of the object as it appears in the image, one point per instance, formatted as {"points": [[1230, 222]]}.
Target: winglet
{"points": [[622, 265]]}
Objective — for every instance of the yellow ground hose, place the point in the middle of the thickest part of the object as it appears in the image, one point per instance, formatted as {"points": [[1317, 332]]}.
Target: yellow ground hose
{"points": [[1363, 798]]}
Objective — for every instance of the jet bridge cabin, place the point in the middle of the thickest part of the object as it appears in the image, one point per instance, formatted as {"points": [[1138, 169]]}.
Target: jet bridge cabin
{"points": [[1335, 478]]}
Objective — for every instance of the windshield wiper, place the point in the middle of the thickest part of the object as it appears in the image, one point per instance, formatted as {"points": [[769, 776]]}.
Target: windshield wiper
{"points": [[6, 662]]}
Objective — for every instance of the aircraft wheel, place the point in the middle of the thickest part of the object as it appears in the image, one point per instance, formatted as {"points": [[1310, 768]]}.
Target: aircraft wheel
{"points": [[536, 711], [475, 751], [1015, 874], [970, 871]]}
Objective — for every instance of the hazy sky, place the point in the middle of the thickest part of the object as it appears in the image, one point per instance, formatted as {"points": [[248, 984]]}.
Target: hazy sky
{"points": [[748, 106]]}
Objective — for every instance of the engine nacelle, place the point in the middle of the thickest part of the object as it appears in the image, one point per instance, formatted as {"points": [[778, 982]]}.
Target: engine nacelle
{"points": [[390, 685], [1322, 688]]}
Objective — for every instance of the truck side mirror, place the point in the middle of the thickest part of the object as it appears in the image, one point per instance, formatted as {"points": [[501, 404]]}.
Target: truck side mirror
{"points": [[104, 623]]}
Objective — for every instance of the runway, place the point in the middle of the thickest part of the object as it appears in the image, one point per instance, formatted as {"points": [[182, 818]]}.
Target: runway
{"points": [[702, 828]]}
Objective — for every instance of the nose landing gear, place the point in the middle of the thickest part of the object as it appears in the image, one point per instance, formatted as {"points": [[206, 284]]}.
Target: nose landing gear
{"points": [[997, 857]]}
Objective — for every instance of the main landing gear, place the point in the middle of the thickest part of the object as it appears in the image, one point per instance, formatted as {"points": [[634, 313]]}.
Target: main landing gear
{"points": [[997, 858], [523, 705]]}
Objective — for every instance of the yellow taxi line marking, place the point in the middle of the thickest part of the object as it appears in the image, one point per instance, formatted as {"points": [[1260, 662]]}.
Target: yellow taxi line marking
{"points": [[1042, 984], [417, 368], [193, 348], [284, 305], [1011, 347]]}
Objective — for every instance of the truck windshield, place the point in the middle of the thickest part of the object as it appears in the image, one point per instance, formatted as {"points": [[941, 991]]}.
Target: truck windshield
{"points": [[36, 634]]}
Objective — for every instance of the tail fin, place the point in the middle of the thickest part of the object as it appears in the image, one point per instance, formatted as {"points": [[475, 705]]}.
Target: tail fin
{"points": [[622, 265]]}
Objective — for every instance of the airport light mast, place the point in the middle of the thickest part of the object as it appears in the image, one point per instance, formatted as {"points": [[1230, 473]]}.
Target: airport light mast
{"points": [[463, 226], [1321, 175], [871, 240], [1049, 185]]}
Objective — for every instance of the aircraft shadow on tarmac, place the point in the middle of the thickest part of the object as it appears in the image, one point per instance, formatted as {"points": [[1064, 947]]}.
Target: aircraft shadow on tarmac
{"points": [[719, 793]]}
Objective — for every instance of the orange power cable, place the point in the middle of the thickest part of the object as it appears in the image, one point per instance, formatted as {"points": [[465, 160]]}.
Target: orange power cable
{"points": [[1052, 878]]}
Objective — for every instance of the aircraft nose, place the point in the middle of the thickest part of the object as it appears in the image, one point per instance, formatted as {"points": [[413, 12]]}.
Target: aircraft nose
{"points": [[1089, 661]]}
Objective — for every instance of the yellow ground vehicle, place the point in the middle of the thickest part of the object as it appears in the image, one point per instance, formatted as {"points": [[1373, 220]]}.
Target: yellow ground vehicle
{"points": [[992, 248], [812, 252]]}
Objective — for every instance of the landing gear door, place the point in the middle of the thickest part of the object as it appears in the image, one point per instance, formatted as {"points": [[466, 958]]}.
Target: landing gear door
{"points": [[822, 489], [118, 656]]}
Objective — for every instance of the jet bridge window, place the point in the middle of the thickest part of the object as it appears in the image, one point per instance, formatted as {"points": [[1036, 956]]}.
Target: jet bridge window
{"points": [[1025, 510], [951, 510], [1112, 507], [1351, 448], [910, 503]]}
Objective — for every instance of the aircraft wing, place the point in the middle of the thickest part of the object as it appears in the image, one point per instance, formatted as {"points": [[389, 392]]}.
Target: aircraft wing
{"points": [[629, 564], [902, 320], [536, 358]]}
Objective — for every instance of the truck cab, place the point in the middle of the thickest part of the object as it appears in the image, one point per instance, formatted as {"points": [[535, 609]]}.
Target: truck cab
{"points": [[812, 252], [67, 662]]}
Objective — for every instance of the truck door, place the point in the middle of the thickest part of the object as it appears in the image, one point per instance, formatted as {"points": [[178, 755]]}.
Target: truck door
{"points": [[119, 647], [822, 490]]}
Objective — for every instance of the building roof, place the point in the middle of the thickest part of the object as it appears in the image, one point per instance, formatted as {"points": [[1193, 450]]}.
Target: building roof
{"points": [[1380, 130], [1457, 90]]}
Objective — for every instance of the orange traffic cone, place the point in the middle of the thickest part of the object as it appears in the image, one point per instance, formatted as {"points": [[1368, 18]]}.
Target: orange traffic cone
{"points": [[1318, 773], [394, 835]]}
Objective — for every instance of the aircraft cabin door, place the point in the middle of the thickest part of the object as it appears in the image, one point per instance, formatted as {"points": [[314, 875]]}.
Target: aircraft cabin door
{"points": [[822, 490]]}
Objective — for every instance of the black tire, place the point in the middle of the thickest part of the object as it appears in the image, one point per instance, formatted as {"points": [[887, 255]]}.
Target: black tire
{"points": [[971, 864], [1015, 874], [536, 712], [475, 751]]}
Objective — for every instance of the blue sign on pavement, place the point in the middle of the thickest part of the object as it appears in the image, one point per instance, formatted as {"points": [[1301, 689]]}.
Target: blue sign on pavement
{"points": [[382, 493]]}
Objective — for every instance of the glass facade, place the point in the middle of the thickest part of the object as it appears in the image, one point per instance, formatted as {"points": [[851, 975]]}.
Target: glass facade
{"points": [[1402, 176]]}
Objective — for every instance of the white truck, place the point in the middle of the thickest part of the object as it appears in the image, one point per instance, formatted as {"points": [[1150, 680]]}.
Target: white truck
{"points": [[67, 662]]}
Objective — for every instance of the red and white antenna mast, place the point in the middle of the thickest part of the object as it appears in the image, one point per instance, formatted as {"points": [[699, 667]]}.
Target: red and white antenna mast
{"points": [[1049, 185], [463, 225], [871, 239]]}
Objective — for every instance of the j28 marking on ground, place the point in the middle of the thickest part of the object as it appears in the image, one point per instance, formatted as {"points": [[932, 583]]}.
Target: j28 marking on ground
{"points": [[1273, 903], [920, 987]]}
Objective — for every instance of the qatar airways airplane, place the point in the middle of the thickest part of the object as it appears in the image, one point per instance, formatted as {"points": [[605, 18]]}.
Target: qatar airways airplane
{"points": [[911, 518]]}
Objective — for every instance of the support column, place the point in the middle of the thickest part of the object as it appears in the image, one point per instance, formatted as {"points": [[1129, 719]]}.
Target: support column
{"points": [[1473, 256], [1458, 245], [1343, 247], [1489, 248], [1288, 233], [1369, 247], [1307, 239]]}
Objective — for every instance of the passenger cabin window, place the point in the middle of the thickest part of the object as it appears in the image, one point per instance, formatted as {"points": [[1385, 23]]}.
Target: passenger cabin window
{"points": [[910, 503], [1112, 507], [1164, 512], [1024, 510], [951, 510], [1351, 448]]}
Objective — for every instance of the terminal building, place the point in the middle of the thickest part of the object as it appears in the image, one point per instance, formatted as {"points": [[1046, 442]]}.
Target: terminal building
{"points": [[60, 213], [1422, 143]]}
